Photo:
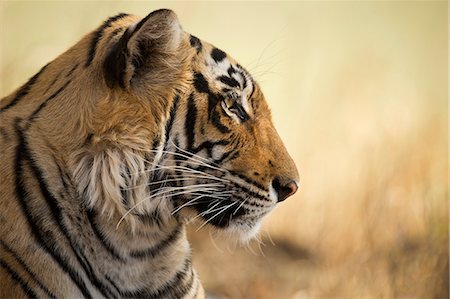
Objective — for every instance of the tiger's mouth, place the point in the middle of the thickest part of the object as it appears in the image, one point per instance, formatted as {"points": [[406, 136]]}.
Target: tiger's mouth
{"points": [[220, 213], [215, 196], [232, 205]]}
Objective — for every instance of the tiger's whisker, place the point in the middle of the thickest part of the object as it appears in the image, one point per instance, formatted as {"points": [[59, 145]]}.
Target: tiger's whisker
{"points": [[187, 204], [206, 162], [243, 202], [215, 215], [174, 179], [161, 193], [188, 170], [191, 202], [189, 153]]}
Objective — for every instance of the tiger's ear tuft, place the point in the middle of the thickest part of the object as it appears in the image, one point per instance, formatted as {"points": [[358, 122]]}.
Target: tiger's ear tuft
{"points": [[144, 51]]}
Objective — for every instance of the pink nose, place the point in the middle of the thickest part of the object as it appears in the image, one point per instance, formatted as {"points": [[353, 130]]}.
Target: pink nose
{"points": [[284, 191]]}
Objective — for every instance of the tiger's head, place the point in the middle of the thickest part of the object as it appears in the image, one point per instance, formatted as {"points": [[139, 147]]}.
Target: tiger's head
{"points": [[180, 131]]}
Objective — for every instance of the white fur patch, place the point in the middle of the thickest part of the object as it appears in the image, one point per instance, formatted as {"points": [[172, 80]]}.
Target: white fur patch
{"points": [[105, 177], [217, 152], [273, 194], [242, 233]]}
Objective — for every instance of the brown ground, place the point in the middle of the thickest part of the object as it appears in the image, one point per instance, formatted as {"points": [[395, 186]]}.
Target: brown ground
{"points": [[380, 234]]}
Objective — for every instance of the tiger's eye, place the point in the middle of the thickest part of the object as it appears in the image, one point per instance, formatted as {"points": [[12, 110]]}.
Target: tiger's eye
{"points": [[229, 102], [239, 111]]}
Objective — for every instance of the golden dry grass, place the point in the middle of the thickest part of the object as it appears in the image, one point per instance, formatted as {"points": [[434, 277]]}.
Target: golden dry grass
{"points": [[389, 239]]}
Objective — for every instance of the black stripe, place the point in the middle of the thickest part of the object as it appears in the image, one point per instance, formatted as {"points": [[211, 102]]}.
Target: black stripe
{"points": [[212, 103], [97, 35], [231, 70], [250, 203], [42, 105], [24, 90], [250, 192], [169, 123], [101, 236], [234, 156], [125, 197], [196, 43], [126, 174], [200, 83], [218, 55], [63, 176], [27, 269], [70, 72], [53, 83], [155, 143], [88, 140], [42, 238], [191, 118], [228, 81], [170, 290], [113, 283], [25, 287], [115, 62], [215, 119], [158, 248], [181, 291]]}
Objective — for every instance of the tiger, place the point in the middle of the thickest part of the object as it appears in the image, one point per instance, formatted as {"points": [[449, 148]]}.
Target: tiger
{"points": [[115, 146]]}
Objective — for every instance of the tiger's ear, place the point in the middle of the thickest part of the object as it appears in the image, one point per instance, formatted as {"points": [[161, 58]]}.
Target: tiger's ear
{"points": [[146, 52]]}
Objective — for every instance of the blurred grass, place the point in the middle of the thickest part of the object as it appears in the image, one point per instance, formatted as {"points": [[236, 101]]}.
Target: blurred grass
{"points": [[359, 94]]}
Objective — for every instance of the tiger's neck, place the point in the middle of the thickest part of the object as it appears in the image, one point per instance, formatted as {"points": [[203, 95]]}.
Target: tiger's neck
{"points": [[151, 261], [89, 255]]}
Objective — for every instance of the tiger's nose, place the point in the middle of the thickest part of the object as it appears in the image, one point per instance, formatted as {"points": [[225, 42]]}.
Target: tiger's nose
{"points": [[284, 191]]}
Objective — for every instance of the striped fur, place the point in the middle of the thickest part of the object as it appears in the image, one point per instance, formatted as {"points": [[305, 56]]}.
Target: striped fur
{"points": [[114, 146]]}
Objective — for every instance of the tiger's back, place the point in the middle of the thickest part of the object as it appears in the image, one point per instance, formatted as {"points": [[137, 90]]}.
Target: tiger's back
{"points": [[112, 147]]}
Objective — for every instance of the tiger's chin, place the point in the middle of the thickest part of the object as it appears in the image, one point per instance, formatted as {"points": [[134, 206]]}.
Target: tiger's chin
{"points": [[241, 232], [237, 231]]}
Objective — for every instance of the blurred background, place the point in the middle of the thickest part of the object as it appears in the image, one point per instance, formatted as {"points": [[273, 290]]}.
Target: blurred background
{"points": [[358, 92]]}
